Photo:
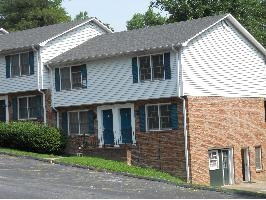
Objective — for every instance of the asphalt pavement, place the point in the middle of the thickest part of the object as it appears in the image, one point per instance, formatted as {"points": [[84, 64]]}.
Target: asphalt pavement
{"points": [[28, 178]]}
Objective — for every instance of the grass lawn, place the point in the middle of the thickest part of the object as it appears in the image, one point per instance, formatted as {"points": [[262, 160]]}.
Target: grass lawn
{"points": [[99, 163]]}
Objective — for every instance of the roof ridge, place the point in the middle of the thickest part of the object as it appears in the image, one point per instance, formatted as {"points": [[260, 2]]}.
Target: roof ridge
{"points": [[62, 23]]}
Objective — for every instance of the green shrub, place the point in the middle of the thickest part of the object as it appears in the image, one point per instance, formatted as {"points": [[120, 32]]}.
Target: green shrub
{"points": [[32, 136]]}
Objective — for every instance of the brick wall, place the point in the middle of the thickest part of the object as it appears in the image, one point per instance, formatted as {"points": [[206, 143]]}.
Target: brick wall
{"points": [[163, 150], [219, 122]]}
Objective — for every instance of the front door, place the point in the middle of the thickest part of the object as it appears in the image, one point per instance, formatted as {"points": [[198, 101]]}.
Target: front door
{"points": [[2, 111], [220, 167], [126, 128], [108, 133], [245, 164]]}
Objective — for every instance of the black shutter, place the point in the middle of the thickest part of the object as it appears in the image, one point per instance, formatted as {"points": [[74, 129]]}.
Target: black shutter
{"points": [[64, 122], [135, 69], [91, 121], [84, 76], [31, 62], [174, 117], [142, 119], [39, 107], [167, 66], [15, 109], [7, 66], [57, 79]]}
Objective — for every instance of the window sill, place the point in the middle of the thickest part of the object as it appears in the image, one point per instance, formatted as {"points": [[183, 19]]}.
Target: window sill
{"points": [[155, 80], [21, 76], [76, 89], [78, 135], [159, 131], [259, 170]]}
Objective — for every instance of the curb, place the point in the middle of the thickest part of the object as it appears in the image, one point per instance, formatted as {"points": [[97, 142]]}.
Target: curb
{"points": [[184, 185]]}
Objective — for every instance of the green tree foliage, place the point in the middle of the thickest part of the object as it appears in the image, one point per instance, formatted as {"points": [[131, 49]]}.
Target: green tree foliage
{"points": [[81, 16], [149, 18], [24, 14], [250, 13]]}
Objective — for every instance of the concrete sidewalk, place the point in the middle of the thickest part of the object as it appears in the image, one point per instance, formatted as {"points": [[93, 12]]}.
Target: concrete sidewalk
{"points": [[259, 186]]}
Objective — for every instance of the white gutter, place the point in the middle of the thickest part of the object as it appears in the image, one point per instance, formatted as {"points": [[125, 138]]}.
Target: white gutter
{"points": [[38, 84], [180, 94]]}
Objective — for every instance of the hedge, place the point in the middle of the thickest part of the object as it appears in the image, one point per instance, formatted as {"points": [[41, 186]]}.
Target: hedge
{"points": [[32, 136]]}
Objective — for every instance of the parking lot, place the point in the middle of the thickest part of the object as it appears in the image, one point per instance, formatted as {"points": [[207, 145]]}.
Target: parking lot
{"points": [[28, 178]]}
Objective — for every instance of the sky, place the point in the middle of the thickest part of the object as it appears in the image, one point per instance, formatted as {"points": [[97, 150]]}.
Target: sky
{"points": [[113, 12]]}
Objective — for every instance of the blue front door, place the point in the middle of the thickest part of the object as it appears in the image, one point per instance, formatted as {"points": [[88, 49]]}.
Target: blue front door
{"points": [[126, 128], [108, 133], [2, 111]]}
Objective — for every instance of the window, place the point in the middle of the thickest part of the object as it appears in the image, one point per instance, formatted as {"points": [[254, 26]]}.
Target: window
{"points": [[29, 107], [159, 117], [19, 64], [213, 160], [258, 158], [151, 67], [78, 123], [74, 77]]}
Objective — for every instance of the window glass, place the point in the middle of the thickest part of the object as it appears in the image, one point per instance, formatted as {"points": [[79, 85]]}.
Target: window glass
{"points": [[157, 64], [23, 111], [73, 123], [24, 64], [258, 158], [76, 77], [65, 78], [144, 68], [15, 71], [213, 160], [33, 107], [83, 120], [165, 116], [153, 118]]}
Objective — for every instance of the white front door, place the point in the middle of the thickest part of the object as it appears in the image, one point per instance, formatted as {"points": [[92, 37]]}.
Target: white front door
{"points": [[119, 122]]}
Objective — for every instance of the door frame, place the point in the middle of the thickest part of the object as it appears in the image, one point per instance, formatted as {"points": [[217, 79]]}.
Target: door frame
{"points": [[246, 164], [6, 102], [116, 122]]}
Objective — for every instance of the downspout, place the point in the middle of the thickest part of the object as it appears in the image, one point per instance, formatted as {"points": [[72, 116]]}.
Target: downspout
{"points": [[52, 96], [180, 93], [38, 84]]}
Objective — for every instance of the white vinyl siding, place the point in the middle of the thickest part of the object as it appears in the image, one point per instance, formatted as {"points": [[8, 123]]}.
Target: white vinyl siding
{"points": [[111, 80], [65, 43], [221, 62], [19, 83]]}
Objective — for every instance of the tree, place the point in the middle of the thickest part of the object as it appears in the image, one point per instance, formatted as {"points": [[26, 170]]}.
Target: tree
{"points": [[24, 14], [250, 13], [149, 18], [83, 15]]}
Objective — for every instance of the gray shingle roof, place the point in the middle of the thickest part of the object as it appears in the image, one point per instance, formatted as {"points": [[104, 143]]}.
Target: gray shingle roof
{"points": [[35, 36], [112, 44]]}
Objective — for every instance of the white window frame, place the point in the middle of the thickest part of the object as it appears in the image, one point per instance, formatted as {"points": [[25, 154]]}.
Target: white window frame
{"points": [[260, 158], [151, 67], [28, 114], [10, 64], [71, 85], [68, 121], [159, 114], [212, 159]]}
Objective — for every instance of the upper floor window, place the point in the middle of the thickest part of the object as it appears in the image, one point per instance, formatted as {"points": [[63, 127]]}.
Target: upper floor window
{"points": [[68, 78], [19, 64], [151, 67]]}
